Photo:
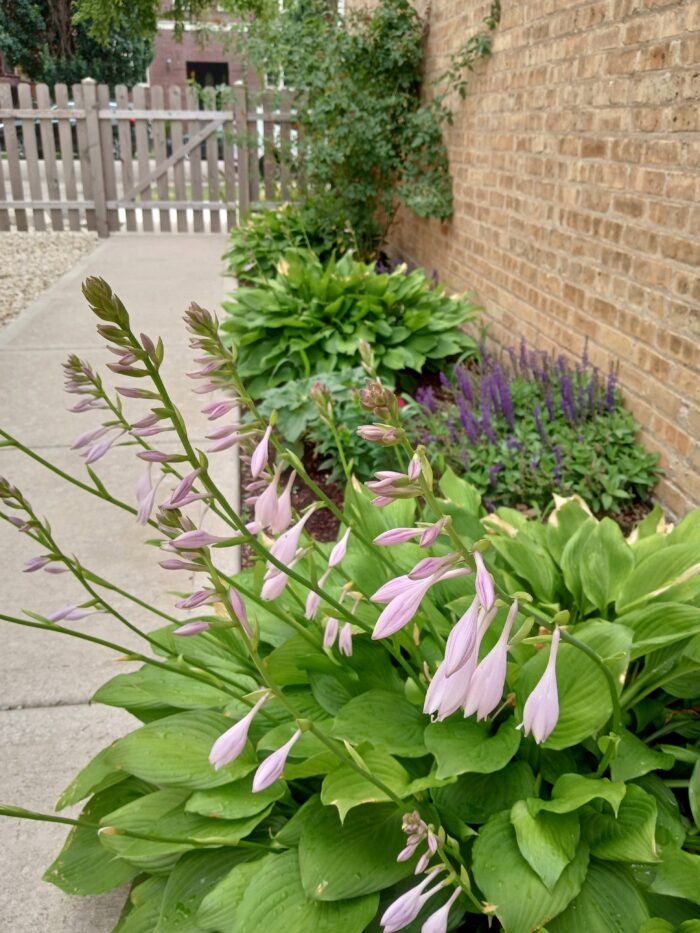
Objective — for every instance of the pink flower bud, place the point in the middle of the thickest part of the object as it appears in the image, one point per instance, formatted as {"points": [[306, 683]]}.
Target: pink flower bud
{"points": [[484, 583], [339, 551], [541, 710], [192, 628], [486, 688], [230, 745], [258, 461], [271, 769], [345, 640]]}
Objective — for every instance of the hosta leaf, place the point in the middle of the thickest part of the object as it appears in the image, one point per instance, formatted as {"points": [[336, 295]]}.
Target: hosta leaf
{"points": [[459, 491], [547, 841], [473, 798], [150, 688], [464, 745], [386, 720], [522, 901], [220, 904], [628, 837], [97, 775], [571, 563], [573, 791], [345, 788], [635, 758], [175, 751], [609, 902], [357, 857], [657, 573], [234, 801], [585, 704], [143, 909], [188, 883], [606, 563], [275, 901], [678, 875], [660, 624], [532, 563]]}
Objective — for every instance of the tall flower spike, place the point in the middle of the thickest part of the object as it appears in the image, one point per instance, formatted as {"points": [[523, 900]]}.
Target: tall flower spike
{"points": [[271, 769], [541, 710], [486, 688], [230, 745], [258, 461]]}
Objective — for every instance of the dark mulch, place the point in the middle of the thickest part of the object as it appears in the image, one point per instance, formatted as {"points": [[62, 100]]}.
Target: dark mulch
{"points": [[631, 514]]}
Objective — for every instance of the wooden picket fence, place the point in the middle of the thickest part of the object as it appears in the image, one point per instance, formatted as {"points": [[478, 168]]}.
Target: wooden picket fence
{"points": [[143, 161]]}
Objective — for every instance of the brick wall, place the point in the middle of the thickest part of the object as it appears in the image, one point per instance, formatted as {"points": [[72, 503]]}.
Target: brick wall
{"points": [[576, 163]]}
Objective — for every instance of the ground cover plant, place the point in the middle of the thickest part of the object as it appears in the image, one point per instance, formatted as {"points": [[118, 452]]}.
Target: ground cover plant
{"points": [[443, 720], [311, 316], [533, 424]]}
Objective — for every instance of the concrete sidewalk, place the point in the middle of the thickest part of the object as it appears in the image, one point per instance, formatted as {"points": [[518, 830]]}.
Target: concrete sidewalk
{"points": [[47, 729]]}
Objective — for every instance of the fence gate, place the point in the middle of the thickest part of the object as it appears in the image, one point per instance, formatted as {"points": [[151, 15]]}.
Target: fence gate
{"points": [[146, 160]]}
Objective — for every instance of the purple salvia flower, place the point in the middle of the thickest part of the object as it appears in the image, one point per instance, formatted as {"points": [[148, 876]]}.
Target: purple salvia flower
{"points": [[541, 710], [258, 461], [444, 381], [592, 392], [194, 540], [610, 399], [239, 610], [488, 680], [549, 403], [192, 628], [339, 550], [538, 422], [230, 745], [425, 397], [465, 383], [271, 769], [556, 472], [567, 398], [437, 922], [494, 472], [406, 908], [345, 640]]}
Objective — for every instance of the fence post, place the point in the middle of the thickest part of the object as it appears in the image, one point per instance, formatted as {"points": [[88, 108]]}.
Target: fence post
{"points": [[240, 108], [92, 127]]}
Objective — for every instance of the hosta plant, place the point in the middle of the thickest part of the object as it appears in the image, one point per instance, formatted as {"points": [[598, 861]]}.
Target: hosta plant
{"points": [[311, 317], [442, 721]]}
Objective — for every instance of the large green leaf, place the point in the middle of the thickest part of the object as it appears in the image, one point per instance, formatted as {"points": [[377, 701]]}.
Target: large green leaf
{"points": [[609, 902], [585, 704], [234, 801], [149, 688], [522, 901], [532, 564], [473, 798], [356, 857], [97, 775], [276, 902], [218, 908], [345, 788], [460, 492], [634, 757], [83, 865], [188, 883], [660, 624], [606, 563], [678, 875], [562, 524], [386, 720], [571, 562], [657, 573], [547, 841], [573, 791], [628, 837], [141, 912], [175, 751], [464, 745]]}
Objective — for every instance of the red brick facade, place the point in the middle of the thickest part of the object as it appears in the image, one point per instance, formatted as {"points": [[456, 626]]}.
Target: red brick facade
{"points": [[169, 67], [576, 163]]}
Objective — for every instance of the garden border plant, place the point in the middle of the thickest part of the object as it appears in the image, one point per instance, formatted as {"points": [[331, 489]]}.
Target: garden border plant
{"points": [[514, 734]]}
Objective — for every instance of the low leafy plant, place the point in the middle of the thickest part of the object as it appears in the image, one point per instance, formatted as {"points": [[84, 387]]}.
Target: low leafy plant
{"points": [[514, 735], [311, 317], [536, 426], [258, 245]]}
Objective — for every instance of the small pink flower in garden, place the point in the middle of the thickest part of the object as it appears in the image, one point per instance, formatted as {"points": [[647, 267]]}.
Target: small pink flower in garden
{"points": [[197, 599], [283, 513], [486, 688], [219, 408], [401, 607], [146, 495], [239, 611], [271, 769], [330, 632], [541, 710], [406, 908], [69, 614], [397, 536], [36, 563], [97, 451], [345, 640], [258, 461], [194, 540], [230, 745], [437, 922], [266, 503], [382, 434], [284, 550], [462, 639], [484, 583], [432, 533], [87, 437], [339, 550], [174, 564], [192, 628], [414, 468]]}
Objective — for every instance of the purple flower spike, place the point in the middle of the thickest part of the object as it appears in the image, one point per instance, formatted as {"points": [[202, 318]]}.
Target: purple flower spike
{"points": [[484, 583], [230, 745], [192, 628], [271, 769], [437, 922], [406, 908], [541, 710]]}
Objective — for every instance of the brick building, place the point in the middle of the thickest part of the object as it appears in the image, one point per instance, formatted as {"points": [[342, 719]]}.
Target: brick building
{"points": [[576, 164], [197, 56]]}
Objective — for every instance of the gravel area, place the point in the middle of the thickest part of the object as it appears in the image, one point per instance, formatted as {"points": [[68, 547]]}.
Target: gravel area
{"points": [[30, 262]]}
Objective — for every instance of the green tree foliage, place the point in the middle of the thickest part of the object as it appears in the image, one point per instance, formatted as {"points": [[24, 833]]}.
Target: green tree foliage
{"points": [[49, 42]]}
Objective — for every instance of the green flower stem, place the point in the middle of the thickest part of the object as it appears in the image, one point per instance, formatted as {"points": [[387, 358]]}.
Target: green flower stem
{"points": [[129, 654], [445, 859], [22, 814]]}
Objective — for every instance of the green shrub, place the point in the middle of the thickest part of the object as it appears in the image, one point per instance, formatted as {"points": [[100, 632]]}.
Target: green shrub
{"points": [[257, 246], [311, 317], [536, 426]]}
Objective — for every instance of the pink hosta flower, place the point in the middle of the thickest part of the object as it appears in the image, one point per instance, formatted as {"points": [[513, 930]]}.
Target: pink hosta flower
{"points": [[345, 640], [146, 495], [194, 540], [330, 632], [218, 408], [432, 533], [239, 611], [230, 745], [313, 600], [258, 461], [541, 711], [437, 922], [284, 550], [88, 437], [271, 769], [283, 513], [192, 628], [414, 468], [266, 502], [486, 688], [36, 563], [397, 536], [382, 434], [183, 489], [406, 908], [97, 451], [339, 550], [226, 443], [200, 598], [69, 614], [418, 831], [462, 639], [484, 583], [175, 564]]}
